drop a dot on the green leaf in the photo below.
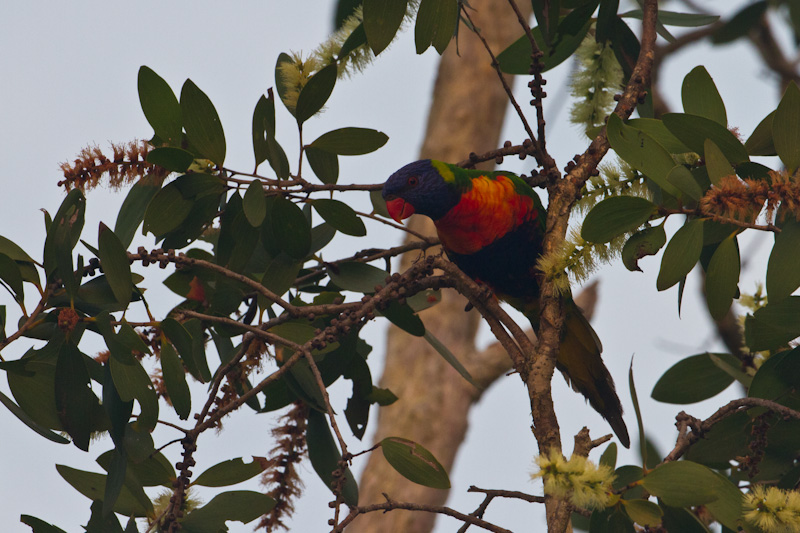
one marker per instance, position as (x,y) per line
(693,379)
(175,381)
(783,276)
(315,93)
(12,276)
(265,145)
(133,208)
(38,525)
(681,254)
(760,141)
(614,216)
(182,339)
(516,59)
(671,18)
(786,127)
(170,158)
(325,456)
(382,19)
(683,520)
(682,484)
(350,141)
(740,24)
(74,398)
(153,471)
(642,152)
(31,423)
(340,216)
(609,456)
(414,462)
(324,164)
(727,508)
(356,39)
(115,480)
(290,227)
(637,410)
(643,512)
(722,277)
(203,127)
(238,505)
(166,211)
(701,97)
(610,520)
(436,24)
(402,316)
(683,179)
(646,242)
(693,130)
(606,16)
(116,266)
(93,486)
(774,325)
(230,472)
(776,376)
(160,106)
(659,132)
(130,377)
(451,359)
(717,165)
(253,204)
(379,204)
(62,236)
(356,276)
(280,274)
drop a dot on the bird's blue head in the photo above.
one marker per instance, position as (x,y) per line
(420,187)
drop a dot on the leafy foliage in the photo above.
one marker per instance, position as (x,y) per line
(251,259)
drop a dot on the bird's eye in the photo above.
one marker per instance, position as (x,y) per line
(413,181)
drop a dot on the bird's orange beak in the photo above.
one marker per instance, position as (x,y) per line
(399,209)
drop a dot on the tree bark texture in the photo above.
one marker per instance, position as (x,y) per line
(466,115)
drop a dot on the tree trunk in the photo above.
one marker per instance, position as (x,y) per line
(466,116)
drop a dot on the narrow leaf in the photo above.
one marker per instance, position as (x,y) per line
(382,19)
(116,266)
(160,107)
(722,277)
(203,127)
(231,472)
(682,483)
(717,165)
(325,456)
(350,141)
(642,152)
(253,204)
(414,462)
(691,380)
(783,276)
(681,254)
(315,93)
(614,216)
(340,216)
(701,97)
(451,359)
(786,128)
(175,381)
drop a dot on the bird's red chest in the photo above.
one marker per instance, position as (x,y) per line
(487,212)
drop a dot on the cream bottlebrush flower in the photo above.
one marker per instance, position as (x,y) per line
(578,259)
(772,509)
(596,80)
(587,485)
(296,73)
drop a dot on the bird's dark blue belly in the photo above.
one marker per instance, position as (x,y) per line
(508,264)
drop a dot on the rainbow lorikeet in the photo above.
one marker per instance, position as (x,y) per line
(491,224)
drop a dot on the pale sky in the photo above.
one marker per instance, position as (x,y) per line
(69,80)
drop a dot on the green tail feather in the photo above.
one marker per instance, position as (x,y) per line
(579,359)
